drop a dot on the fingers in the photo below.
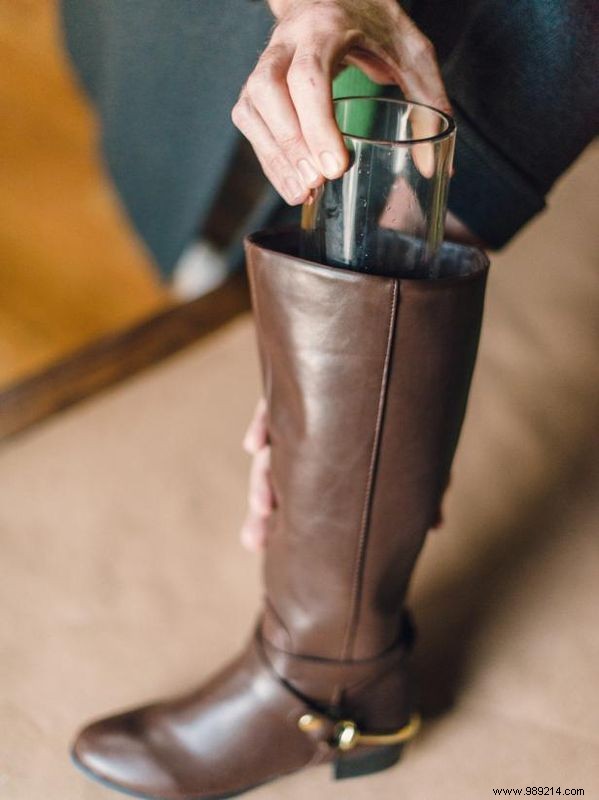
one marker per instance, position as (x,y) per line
(265,114)
(261,499)
(392,49)
(417,70)
(277,167)
(256,435)
(254,533)
(260,495)
(269,90)
(411,59)
(286,107)
(309,80)
(260,502)
(285,110)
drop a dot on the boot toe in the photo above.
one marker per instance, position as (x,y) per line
(114,751)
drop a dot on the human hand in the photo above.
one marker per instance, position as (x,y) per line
(261,499)
(286,109)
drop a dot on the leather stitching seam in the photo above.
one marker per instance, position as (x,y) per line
(356,590)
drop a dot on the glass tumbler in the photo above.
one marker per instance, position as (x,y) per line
(386,213)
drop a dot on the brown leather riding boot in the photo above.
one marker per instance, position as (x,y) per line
(366,380)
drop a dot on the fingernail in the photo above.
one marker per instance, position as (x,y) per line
(308,172)
(292,189)
(330,165)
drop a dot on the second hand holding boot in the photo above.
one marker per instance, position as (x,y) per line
(366,380)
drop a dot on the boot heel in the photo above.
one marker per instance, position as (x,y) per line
(375,760)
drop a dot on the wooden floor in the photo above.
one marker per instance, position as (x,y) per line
(71,268)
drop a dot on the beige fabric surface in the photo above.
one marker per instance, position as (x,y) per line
(122,578)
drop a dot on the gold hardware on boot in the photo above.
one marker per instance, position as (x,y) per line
(347,735)
(309,722)
(405,734)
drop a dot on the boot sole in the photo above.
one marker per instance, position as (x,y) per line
(343,768)
(367,763)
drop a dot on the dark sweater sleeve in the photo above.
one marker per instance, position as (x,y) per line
(523,79)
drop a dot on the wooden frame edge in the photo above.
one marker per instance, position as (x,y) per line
(117,356)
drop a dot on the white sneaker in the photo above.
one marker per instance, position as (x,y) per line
(201,268)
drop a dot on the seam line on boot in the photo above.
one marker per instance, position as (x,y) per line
(356,590)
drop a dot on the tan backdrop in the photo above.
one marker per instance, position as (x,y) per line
(122,577)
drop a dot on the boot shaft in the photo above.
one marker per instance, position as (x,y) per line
(366,380)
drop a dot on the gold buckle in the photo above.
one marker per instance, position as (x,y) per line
(347,735)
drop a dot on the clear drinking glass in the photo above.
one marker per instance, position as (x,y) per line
(386,213)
